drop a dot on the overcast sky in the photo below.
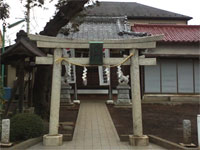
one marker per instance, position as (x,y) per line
(40,16)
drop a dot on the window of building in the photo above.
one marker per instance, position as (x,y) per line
(172,76)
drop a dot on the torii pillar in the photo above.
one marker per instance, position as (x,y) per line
(53,138)
(137,139)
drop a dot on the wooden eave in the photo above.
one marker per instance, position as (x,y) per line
(21,49)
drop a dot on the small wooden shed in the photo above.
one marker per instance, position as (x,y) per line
(19,59)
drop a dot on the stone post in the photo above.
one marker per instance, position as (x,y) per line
(110,91)
(138,139)
(5,133)
(198,129)
(53,138)
(186,131)
(75,91)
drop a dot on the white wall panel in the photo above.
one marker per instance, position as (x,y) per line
(168,76)
(184,73)
(197,76)
(185,76)
(152,79)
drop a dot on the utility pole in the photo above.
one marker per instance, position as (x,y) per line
(3,49)
(28,16)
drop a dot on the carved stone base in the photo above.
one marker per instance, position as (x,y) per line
(123,102)
(53,140)
(6,144)
(123,97)
(139,140)
(65,96)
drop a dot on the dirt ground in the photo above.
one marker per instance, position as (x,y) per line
(162,120)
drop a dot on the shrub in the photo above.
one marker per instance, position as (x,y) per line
(25,125)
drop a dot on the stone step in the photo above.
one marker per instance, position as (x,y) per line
(67,137)
(67,128)
(67,123)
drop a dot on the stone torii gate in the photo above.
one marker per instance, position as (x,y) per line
(135,45)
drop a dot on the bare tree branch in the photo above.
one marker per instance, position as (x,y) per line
(65,14)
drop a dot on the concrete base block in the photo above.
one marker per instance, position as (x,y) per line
(6,144)
(185,99)
(124,102)
(53,140)
(139,140)
(156,98)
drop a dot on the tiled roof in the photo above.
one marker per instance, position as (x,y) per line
(21,49)
(172,33)
(101,28)
(133,11)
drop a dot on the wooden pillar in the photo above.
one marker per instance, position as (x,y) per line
(30,87)
(21,87)
(138,139)
(11,76)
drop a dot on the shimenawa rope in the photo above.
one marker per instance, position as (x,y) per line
(59,60)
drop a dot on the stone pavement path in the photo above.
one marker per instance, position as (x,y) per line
(95,131)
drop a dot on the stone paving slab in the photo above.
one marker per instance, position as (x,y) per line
(95,131)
